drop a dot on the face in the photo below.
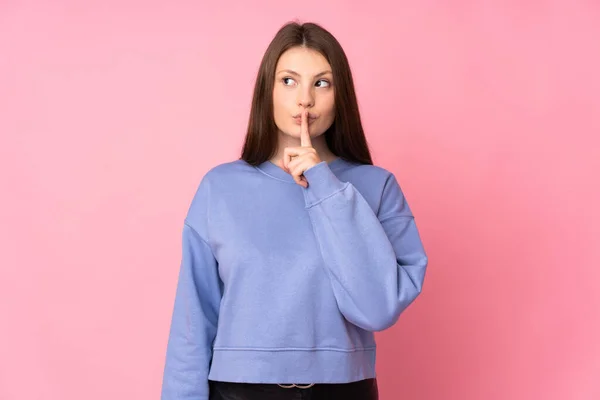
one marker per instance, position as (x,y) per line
(303,79)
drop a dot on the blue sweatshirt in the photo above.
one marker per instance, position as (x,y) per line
(284,284)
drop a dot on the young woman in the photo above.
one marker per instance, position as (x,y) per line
(295,254)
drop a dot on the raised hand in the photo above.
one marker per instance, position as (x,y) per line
(296,160)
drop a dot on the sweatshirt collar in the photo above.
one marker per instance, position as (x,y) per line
(276,172)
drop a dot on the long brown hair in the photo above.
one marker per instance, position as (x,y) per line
(345,138)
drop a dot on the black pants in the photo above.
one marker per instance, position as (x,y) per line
(361,390)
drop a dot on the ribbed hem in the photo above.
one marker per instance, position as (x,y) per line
(292,366)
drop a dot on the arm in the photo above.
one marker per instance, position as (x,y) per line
(194,321)
(376,262)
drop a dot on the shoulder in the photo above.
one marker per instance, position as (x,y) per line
(379,186)
(372,170)
(219,178)
(370,174)
(225,174)
(227,169)
(220,175)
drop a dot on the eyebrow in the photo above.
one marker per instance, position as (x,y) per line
(289,71)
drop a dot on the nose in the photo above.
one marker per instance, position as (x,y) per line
(305,97)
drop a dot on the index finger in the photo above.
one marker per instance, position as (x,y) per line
(304,134)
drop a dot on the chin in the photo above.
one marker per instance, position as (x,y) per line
(295,133)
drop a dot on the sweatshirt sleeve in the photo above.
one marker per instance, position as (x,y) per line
(375,261)
(193,323)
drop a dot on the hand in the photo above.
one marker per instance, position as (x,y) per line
(296,160)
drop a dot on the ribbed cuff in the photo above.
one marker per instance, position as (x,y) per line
(322,183)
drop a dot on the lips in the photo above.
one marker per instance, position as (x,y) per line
(310,116)
(298,120)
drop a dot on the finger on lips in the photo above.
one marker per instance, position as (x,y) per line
(292,155)
(304,134)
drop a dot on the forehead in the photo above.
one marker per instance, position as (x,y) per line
(303,60)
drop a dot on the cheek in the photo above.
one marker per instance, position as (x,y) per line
(276,100)
(330,109)
(328,101)
(280,101)
(327,117)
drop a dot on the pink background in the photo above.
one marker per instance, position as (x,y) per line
(487,112)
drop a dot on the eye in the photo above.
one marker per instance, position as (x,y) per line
(285,79)
(325,82)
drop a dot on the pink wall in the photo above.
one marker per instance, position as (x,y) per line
(489,115)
